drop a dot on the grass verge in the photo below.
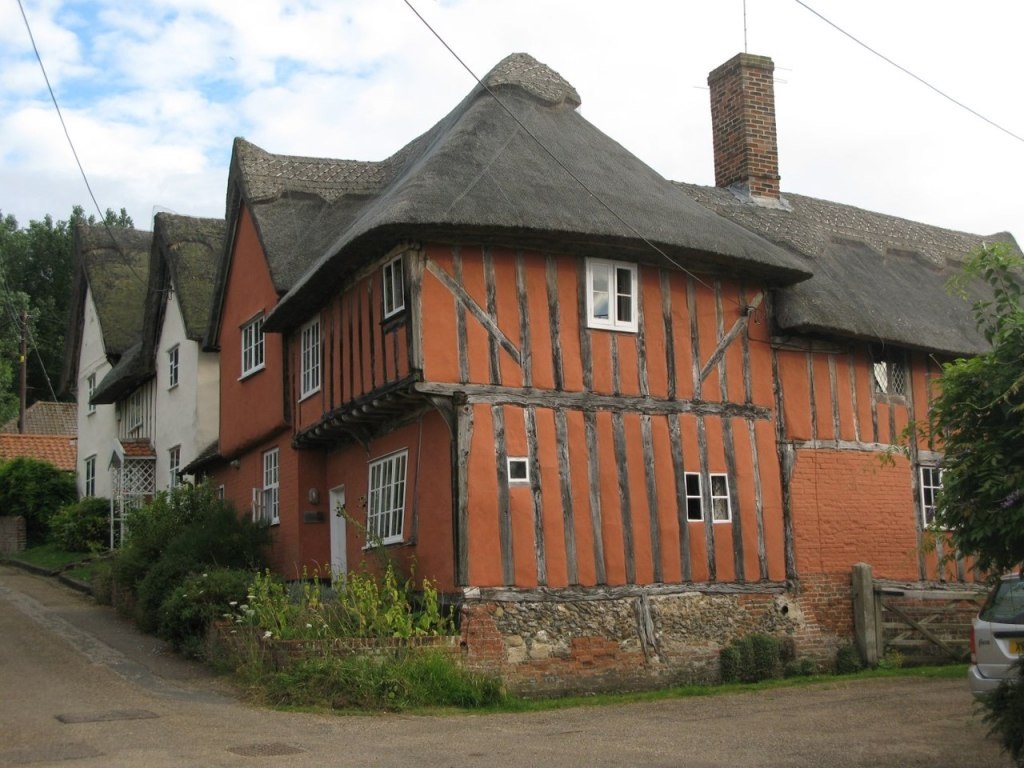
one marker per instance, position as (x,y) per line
(50,556)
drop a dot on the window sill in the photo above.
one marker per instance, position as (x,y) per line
(385,543)
(591,325)
(306,395)
(252,372)
(393,320)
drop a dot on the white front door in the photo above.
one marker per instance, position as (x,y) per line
(339,561)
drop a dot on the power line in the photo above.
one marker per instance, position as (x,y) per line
(552,155)
(67,135)
(906,71)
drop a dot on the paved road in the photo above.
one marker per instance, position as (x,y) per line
(79,687)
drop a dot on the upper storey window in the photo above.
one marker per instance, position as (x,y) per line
(394,287)
(611,295)
(252,345)
(310,358)
(890,370)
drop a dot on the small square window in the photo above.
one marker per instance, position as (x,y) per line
(611,295)
(518,470)
(889,367)
(394,287)
(721,506)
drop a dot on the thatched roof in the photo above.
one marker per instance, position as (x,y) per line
(479,174)
(184,259)
(114,264)
(875,277)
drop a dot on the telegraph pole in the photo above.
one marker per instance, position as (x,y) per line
(23,359)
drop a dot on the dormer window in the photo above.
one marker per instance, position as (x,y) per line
(611,295)
(394,287)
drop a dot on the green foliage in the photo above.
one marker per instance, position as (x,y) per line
(184,531)
(848,660)
(389,682)
(35,490)
(893,659)
(1004,714)
(188,611)
(83,526)
(38,267)
(751,658)
(979,413)
(359,605)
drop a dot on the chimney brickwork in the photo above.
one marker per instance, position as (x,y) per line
(743,125)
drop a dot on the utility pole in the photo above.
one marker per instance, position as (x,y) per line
(23,359)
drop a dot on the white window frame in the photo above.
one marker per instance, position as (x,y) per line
(521,462)
(173,361)
(385,498)
(930,478)
(889,368)
(310,358)
(393,283)
(253,352)
(270,495)
(90,384)
(612,318)
(135,413)
(173,465)
(718,496)
(90,476)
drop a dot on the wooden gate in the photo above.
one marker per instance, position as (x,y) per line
(925,624)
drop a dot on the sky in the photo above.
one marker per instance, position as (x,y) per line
(154,91)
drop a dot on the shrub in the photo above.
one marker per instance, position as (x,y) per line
(34,490)
(848,660)
(184,531)
(191,607)
(1004,712)
(83,526)
(751,658)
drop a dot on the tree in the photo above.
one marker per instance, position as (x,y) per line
(979,413)
(36,272)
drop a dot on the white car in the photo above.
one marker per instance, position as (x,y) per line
(997,636)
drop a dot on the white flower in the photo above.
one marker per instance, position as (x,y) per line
(233,603)
(267,634)
(309,626)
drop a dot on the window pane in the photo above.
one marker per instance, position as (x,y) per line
(692,484)
(624,295)
(600,291)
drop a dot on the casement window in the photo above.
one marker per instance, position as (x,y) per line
(518,470)
(266,500)
(90,476)
(721,506)
(135,413)
(252,346)
(931,484)
(310,362)
(90,384)
(611,295)
(394,287)
(172,367)
(890,370)
(173,465)
(385,515)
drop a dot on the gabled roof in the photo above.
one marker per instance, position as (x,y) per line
(875,277)
(43,418)
(113,263)
(59,450)
(480,173)
(184,259)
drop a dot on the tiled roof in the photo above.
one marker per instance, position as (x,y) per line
(138,449)
(58,450)
(44,418)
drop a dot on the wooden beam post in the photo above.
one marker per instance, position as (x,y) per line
(864,615)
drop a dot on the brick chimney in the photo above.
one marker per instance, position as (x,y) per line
(743,126)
